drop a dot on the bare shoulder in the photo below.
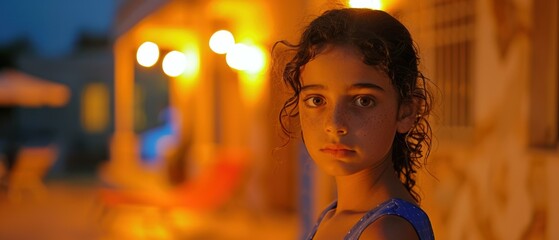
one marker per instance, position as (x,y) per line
(390,227)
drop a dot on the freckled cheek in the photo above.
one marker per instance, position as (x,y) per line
(375,126)
(308,122)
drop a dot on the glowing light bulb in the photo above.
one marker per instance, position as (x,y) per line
(174,63)
(245,58)
(192,64)
(221,41)
(147,54)
(373,4)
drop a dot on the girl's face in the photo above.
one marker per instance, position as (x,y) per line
(349,112)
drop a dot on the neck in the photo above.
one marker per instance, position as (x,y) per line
(365,190)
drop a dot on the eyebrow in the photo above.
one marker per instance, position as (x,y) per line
(353,87)
(366,86)
(312,86)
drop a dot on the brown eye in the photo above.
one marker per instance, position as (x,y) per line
(314,101)
(364,101)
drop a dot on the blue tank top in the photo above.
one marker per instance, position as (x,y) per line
(404,209)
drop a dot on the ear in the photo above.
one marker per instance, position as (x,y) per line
(407,116)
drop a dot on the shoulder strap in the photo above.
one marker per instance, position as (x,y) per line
(332,205)
(404,209)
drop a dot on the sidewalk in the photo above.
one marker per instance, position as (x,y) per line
(73,210)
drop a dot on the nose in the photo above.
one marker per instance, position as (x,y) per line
(336,122)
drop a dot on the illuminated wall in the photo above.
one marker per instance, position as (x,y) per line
(486,179)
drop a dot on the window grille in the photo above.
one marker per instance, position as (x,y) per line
(453,46)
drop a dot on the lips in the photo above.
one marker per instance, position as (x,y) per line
(337,150)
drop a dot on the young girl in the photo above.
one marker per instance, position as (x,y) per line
(362,105)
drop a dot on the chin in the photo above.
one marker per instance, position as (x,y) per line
(338,170)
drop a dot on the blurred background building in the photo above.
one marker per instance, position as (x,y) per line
(158,119)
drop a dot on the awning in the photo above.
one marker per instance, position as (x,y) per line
(21,89)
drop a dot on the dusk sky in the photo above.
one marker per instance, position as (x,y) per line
(52,27)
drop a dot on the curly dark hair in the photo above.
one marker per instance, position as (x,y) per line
(385,43)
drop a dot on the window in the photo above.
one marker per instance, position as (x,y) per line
(95,107)
(453,34)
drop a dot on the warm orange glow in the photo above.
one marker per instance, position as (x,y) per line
(192,64)
(158,231)
(246,58)
(95,108)
(183,219)
(373,4)
(187,81)
(253,81)
(252,87)
(147,54)
(249,19)
(174,63)
(221,41)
